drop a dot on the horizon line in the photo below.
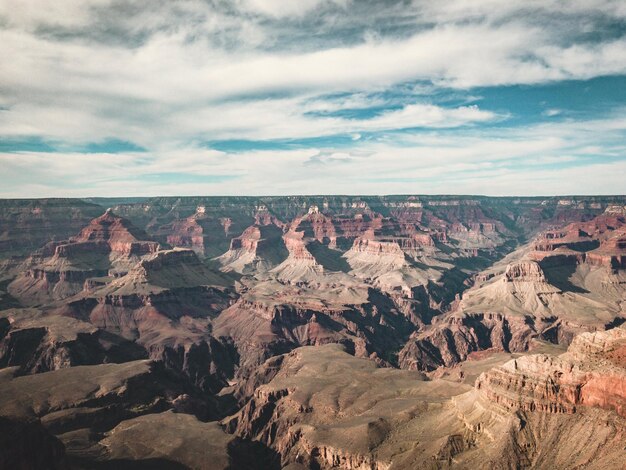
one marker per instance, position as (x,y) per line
(248,196)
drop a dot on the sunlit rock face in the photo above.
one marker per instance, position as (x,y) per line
(592,373)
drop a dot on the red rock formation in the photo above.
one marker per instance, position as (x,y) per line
(482,277)
(585,376)
(296,245)
(261,330)
(452,341)
(258,249)
(350,227)
(611,253)
(27,224)
(571,237)
(169,258)
(534,383)
(263,216)
(107,246)
(113,232)
(264,327)
(599,242)
(524,271)
(317,226)
(559,257)
(580,236)
(200,232)
(423,239)
(375,247)
(187,233)
(37,345)
(248,240)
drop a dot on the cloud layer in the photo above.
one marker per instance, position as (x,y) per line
(315,96)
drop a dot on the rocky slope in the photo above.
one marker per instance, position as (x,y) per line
(271,318)
(258,249)
(592,373)
(178,440)
(519,415)
(165,304)
(83,406)
(25,443)
(559,285)
(35,343)
(27,224)
(286,317)
(106,248)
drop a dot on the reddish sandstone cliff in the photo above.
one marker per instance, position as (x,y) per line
(592,373)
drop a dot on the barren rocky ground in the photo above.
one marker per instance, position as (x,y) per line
(313,332)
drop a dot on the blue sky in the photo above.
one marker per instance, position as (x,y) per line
(254,97)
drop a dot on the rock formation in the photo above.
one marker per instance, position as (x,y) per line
(258,249)
(552,294)
(591,373)
(36,343)
(314,413)
(107,247)
(166,322)
(27,224)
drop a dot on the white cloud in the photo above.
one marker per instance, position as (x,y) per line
(497,10)
(281,8)
(30,14)
(552,112)
(287,118)
(72,90)
(172,74)
(558,158)
(169,68)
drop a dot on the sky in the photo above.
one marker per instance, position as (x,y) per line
(278,97)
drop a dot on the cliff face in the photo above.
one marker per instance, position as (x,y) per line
(187,233)
(93,399)
(161,308)
(108,246)
(526,271)
(535,415)
(258,249)
(552,289)
(592,373)
(36,345)
(248,240)
(205,234)
(300,264)
(535,383)
(335,249)
(176,440)
(208,363)
(449,342)
(288,313)
(600,242)
(327,420)
(318,226)
(116,233)
(611,253)
(263,327)
(26,225)
(378,248)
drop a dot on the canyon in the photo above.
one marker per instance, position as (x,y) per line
(358,332)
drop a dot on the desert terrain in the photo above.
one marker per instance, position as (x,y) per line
(324,332)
